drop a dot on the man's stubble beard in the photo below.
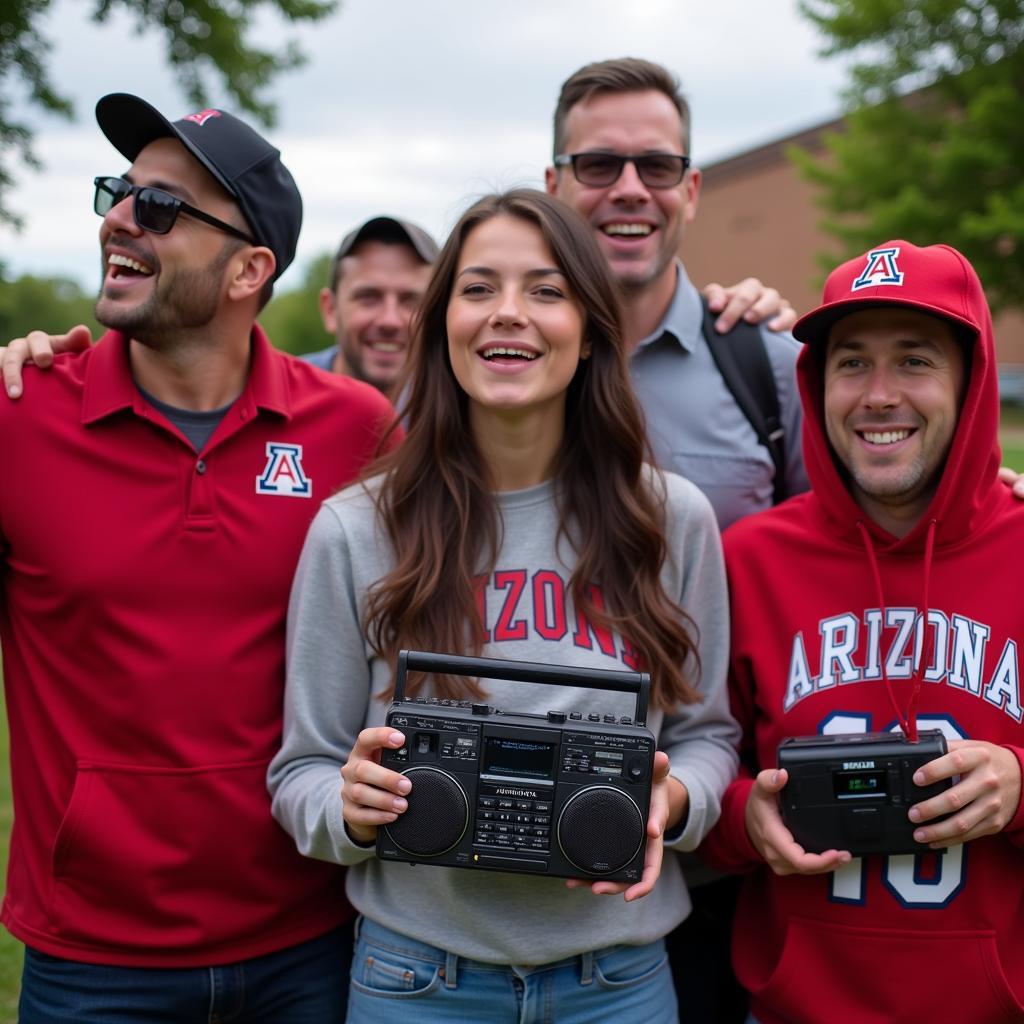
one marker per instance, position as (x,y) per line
(187,301)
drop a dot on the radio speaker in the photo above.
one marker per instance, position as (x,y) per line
(437,816)
(600,830)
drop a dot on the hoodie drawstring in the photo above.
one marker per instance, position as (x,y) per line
(908,721)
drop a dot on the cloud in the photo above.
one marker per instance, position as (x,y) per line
(413,108)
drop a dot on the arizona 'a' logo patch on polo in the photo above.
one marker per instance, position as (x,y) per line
(201,117)
(283,474)
(881,268)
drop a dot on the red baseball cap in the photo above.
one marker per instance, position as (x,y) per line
(934,279)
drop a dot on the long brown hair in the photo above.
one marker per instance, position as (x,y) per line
(436,504)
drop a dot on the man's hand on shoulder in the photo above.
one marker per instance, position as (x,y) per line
(39,348)
(1013,480)
(752,301)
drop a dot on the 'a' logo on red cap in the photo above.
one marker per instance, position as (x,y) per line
(881,269)
(202,117)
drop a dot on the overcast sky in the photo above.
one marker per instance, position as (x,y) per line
(413,107)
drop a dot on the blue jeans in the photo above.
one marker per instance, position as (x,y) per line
(397,978)
(304,984)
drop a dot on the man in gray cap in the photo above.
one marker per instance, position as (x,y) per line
(154,497)
(376,280)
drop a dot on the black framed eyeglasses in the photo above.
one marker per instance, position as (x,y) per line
(153,209)
(599,170)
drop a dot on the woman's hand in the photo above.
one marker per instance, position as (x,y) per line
(372,795)
(773,841)
(668,800)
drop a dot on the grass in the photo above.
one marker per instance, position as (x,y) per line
(10,949)
(1012,438)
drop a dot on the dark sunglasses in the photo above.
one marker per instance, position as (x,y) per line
(153,209)
(599,170)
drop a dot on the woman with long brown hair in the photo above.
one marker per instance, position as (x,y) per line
(518,519)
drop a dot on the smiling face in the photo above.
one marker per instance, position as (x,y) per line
(894,379)
(514,329)
(156,285)
(639,229)
(379,287)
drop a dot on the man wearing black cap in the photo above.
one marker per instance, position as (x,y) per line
(376,280)
(143,590)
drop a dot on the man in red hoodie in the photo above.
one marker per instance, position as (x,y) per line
(891,585)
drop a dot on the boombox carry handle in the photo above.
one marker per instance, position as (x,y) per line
(526,672)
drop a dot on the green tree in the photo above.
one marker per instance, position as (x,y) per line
(292,319)
(933,148)
(204,39)
(46,303)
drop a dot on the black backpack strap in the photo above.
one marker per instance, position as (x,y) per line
(742,360)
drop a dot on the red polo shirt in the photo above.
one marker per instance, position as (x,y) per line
(142,620)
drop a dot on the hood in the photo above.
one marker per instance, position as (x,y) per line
(937,280)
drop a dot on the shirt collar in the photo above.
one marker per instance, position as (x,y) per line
(110,388)
(684,316)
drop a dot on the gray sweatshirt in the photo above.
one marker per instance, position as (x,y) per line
(334,677)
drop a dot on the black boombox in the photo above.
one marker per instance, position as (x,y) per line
(562,794)
(852,791)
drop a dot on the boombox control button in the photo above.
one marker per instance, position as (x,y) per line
(557,717)
(593,717)
(542,833)
(625,720)
(543,806)
(524,805)
(488,801)
(481,709)
(610,719)
(503,829)
(522,830)
(541,819)
(486,815)
(506,805)
(637,769)
(576,716)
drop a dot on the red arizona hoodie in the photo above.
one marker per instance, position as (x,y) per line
(937,936)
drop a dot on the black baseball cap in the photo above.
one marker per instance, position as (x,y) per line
(390,229)
(240,159)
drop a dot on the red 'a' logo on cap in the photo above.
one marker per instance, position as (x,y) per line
(881,268)
(202,117)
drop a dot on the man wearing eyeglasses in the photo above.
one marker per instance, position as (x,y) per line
(154,495)
(622,161)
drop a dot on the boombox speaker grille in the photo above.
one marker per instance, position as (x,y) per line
(600,830)
(437,815)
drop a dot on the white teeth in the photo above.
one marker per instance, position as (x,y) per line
(385,346)
(627,229)
(117,260)
(516,352)
(886,437)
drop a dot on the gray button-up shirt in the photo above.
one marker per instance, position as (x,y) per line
(694,424)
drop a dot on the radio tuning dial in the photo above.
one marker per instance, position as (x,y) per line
(637,768)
